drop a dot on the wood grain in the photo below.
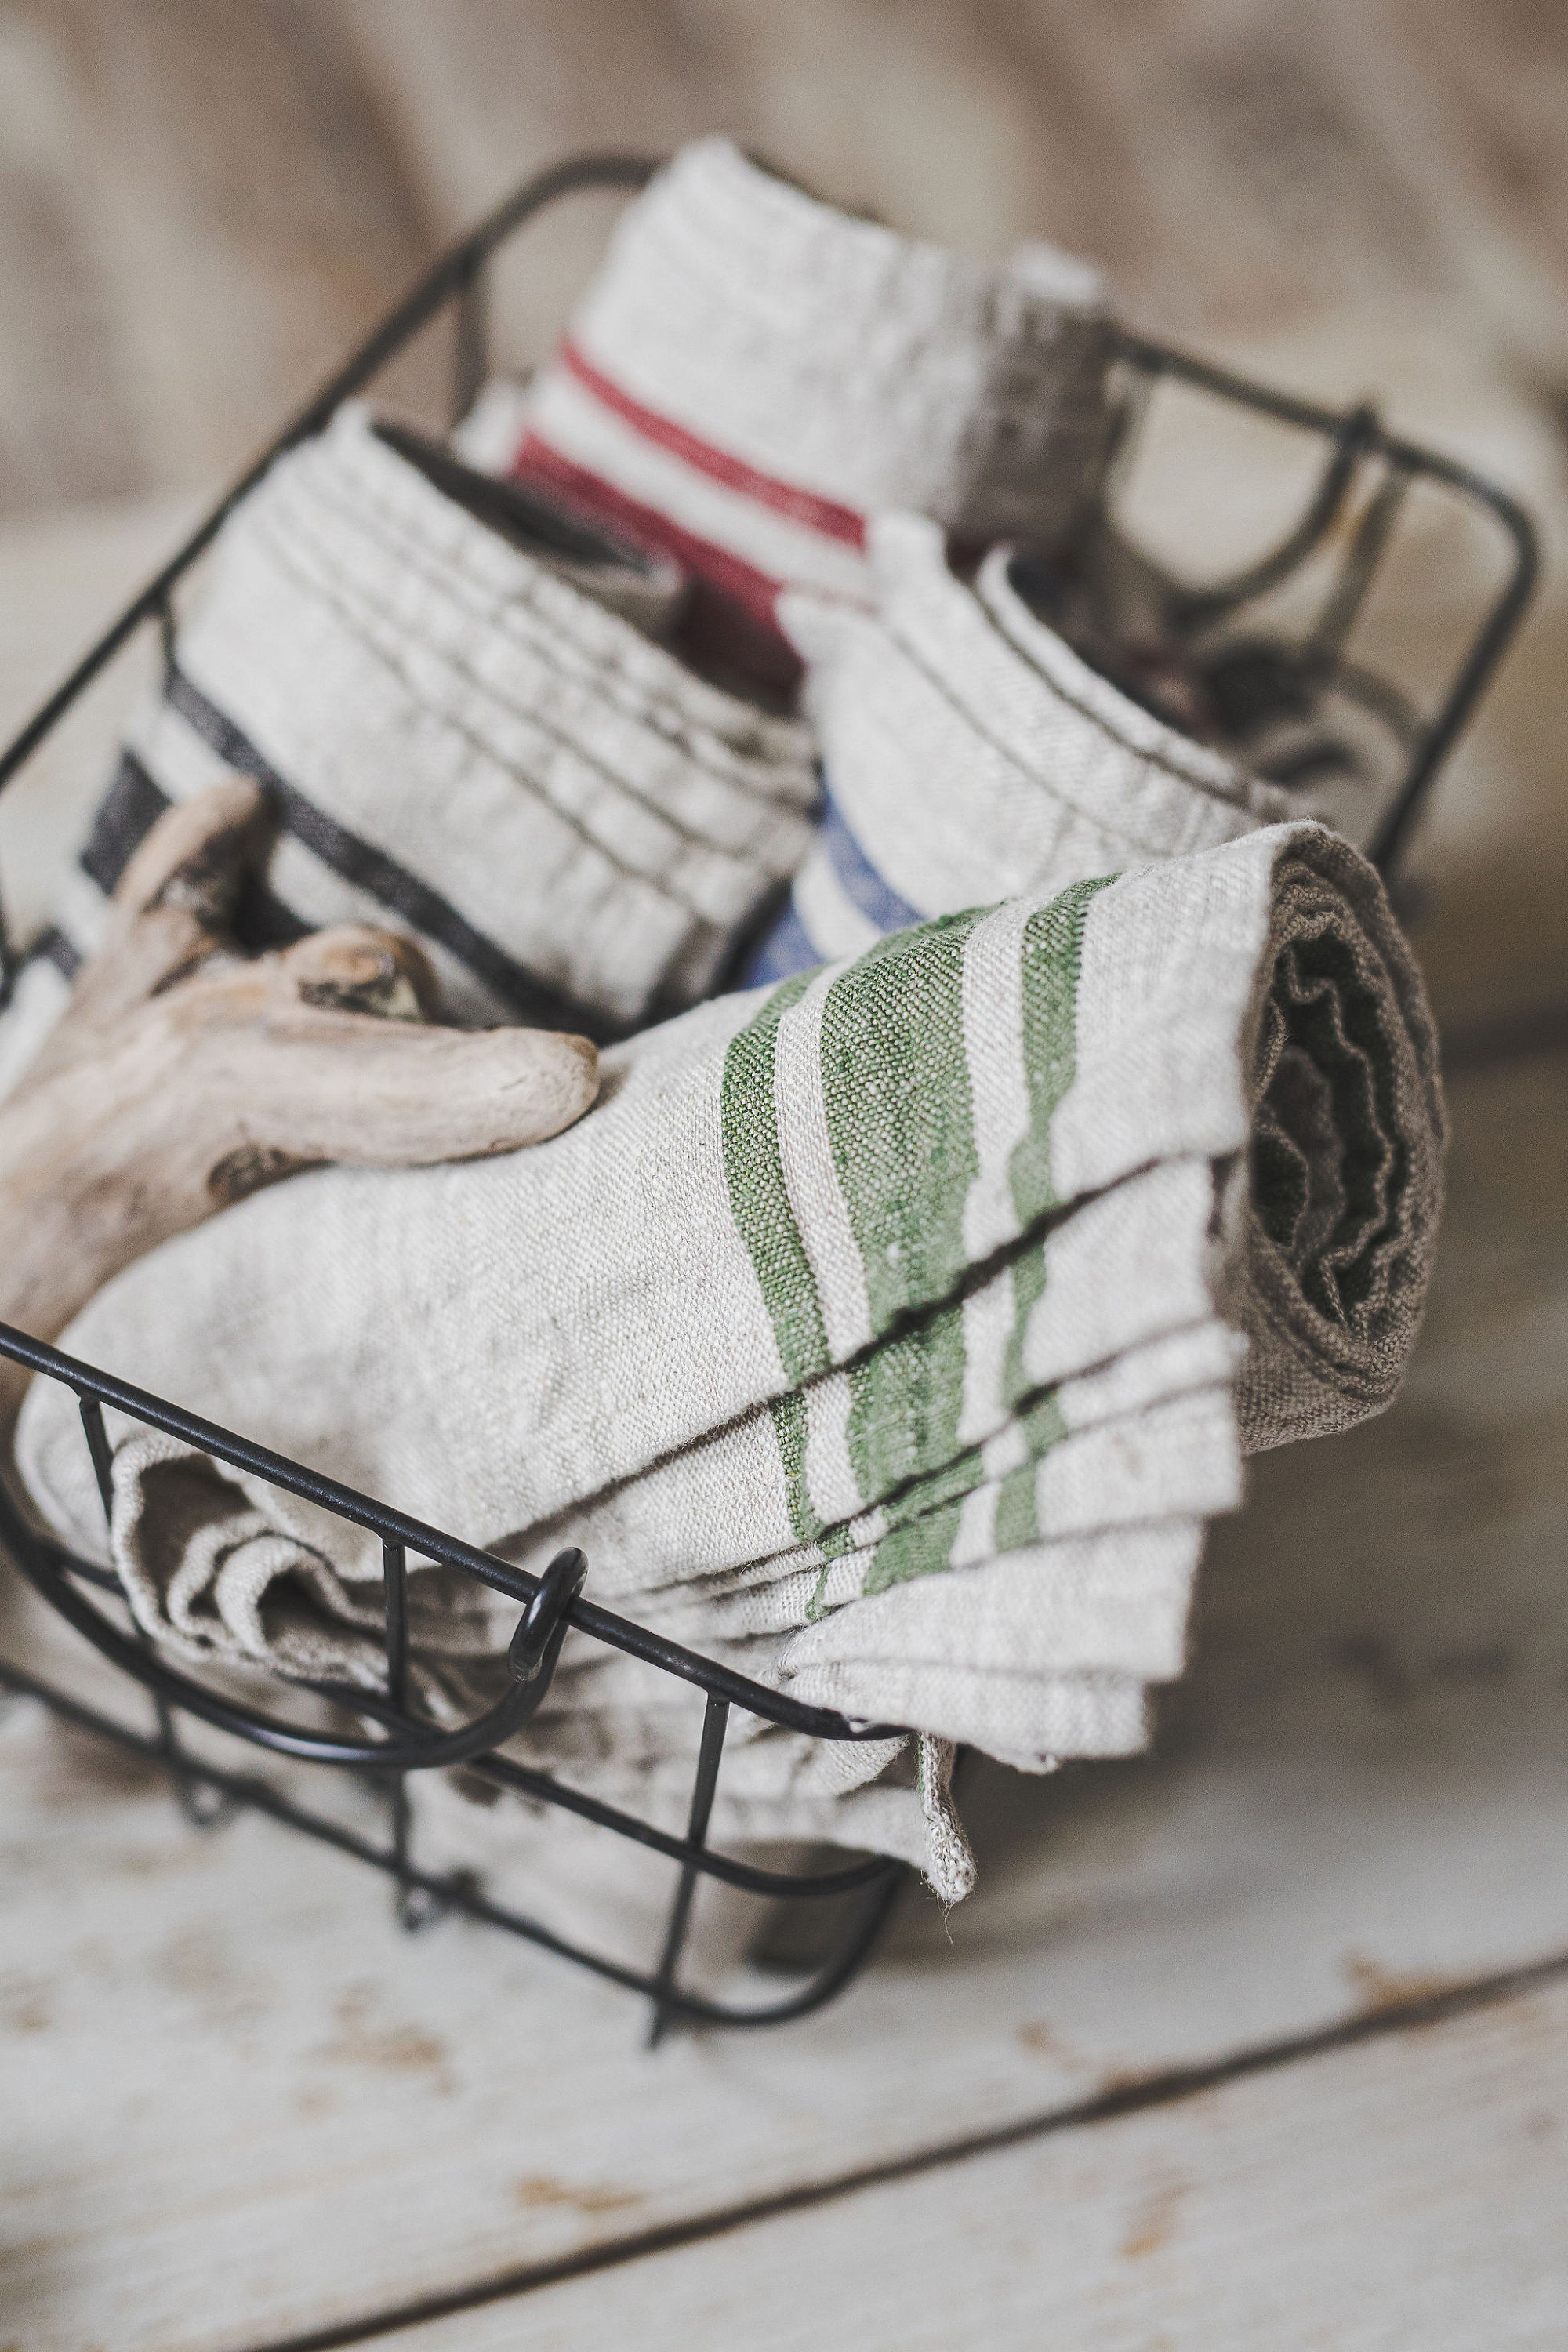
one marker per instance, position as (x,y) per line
(68,423)
(1411,2190)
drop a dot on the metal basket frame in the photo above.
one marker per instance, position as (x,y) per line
(1359,453)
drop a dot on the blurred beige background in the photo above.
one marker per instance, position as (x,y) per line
(202,202)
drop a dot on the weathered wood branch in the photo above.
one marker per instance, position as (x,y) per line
(183,1074)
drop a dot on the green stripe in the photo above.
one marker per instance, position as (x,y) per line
(900,1123)
(1052,961)
(907,1397)
(758,1201)
(1029,1289)
(921,1549)
(1052,956)
(787,1414)
(949,1482)
(934,1497)
(929,1503)
(895,1083)
(1017,1521)
(896,1095)
(1041,1419)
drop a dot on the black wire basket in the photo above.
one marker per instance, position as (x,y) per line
(1345,527)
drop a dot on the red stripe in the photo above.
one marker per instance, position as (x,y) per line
(825,515)
(729,618)
(754,589)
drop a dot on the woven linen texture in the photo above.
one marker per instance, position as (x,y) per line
(464,740)
(893,1333)
(752,374)
(970,755)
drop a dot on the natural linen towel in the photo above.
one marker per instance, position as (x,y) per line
(880,1333)
(466,737)
(971,755)
(751,373)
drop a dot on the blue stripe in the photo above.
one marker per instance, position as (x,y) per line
(789,948)
(877,900)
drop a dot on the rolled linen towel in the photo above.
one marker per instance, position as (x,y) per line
(468,736)
(971,755)
(888,1322)
(752,374)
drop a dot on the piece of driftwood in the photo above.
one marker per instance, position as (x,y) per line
(183,1074)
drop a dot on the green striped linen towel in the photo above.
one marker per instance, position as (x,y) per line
(893,1334)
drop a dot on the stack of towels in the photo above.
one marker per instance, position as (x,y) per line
(899,1318)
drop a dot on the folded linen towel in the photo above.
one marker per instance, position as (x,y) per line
(468,736)
(751,373)
(891,1318)
(1330,734)
(971,755)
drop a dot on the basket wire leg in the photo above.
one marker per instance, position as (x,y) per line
(10,961)
(715,1723)
(412,1904)
(202,1804)
(1349,593)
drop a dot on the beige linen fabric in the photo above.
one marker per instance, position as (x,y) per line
(751,373)
(971,755)
(465,733)
(893,1334)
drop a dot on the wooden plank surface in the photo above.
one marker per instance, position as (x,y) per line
(222,2061)
(1410,2190)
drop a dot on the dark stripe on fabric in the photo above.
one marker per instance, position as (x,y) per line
(728,617)
(532,999)
(828,516)
(877,900)
(126,815)
(53,946)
